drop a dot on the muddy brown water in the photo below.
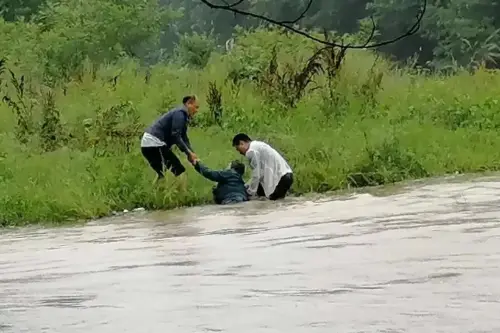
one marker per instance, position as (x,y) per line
(426,259)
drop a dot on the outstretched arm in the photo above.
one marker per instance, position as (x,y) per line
(253,184)
(178,125)
(187,142)
(215,176)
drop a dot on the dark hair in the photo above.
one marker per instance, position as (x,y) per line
(186,99)
(240,137)
(238,167)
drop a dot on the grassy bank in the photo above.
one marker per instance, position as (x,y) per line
(81,157)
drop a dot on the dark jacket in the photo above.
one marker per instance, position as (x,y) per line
(230,184)
(171,128)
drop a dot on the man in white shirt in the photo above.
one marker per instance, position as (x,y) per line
(272,177)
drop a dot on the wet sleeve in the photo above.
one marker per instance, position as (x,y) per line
(178,130)
(215,176)
(253,184)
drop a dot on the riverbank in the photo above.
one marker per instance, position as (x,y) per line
(84,162)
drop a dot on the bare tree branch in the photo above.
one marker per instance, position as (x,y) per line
(288,24)
(234,4)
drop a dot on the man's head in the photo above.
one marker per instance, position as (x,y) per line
(191,104)
(238,167)
(241,142)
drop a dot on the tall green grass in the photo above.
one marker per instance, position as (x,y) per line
(82,157)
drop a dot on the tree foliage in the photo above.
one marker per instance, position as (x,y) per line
(63,34)
(453,33)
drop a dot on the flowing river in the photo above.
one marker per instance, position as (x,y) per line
(424,259)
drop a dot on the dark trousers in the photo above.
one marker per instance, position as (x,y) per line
(158,157)
(281,189)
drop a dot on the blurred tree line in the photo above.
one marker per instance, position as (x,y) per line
(454,33)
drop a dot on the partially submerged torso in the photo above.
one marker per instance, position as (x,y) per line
(230,184)
(273,166)
(232,187)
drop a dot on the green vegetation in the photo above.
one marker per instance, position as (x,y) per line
(78,96)
(453,33)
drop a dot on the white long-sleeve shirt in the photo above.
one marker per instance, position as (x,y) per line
(267,165)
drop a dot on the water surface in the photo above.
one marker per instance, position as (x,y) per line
(423,260)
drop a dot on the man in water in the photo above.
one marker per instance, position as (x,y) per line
(168,130)
(272,177)
(230,184)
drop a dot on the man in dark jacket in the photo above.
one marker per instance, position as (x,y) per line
(168,130)
(230,185)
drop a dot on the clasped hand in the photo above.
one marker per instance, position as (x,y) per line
(192,158)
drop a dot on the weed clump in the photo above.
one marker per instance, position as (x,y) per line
(51,130)
(22,106)
(116,130)
(386,163)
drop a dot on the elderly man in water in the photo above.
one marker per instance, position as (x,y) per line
(230,186)
(272,177)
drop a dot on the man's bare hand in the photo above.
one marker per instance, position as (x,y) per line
(192,157)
